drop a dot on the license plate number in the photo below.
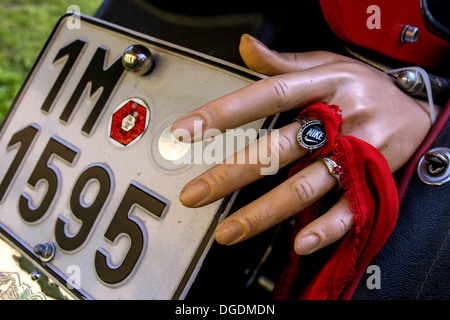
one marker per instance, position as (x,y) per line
(82,167)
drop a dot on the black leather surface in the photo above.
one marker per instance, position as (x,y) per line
(415,261)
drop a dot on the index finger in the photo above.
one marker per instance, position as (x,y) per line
(260,99)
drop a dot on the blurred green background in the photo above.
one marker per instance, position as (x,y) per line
(24,28)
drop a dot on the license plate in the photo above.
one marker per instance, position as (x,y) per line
(90,175)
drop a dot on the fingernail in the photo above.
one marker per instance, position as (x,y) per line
(229,233)
(247,37)
(189,129)
(194,194)
(307,244)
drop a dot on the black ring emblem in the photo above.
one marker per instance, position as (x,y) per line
(312,135)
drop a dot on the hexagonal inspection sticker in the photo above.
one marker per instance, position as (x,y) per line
(128,122)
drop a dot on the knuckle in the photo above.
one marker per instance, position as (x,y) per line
(303,191)
(329,57)
(354,71)
(252,223)
(257,221)
(216,178)
(286,146)
(221,175)
(343,227)
(273,148)
(280,89)
(285,143)
(349,67)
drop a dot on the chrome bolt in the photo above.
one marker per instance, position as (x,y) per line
(137,59)
(409,34)
(45,251)
(35,275)
(410,81)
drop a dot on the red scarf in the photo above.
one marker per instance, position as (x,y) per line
(369,186)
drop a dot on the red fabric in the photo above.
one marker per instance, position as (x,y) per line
(371,190)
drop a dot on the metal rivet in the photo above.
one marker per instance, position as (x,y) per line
(35,275)
(409,34)
(45,251)
(137,59)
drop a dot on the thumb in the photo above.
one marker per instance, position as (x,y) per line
(260,58)
(269,62)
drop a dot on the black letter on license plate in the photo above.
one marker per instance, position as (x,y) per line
(98,77)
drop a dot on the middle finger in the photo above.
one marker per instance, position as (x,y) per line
(273,151)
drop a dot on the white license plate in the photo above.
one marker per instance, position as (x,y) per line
(109,205)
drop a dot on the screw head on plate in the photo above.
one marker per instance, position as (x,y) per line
(45,251)
(35,275)
(137,59)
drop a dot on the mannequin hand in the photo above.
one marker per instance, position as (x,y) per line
(373,108)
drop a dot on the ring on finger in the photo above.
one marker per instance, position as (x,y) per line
(311,134)
(334,169)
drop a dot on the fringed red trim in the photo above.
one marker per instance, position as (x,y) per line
(370,188)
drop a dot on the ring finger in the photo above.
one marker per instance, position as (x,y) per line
(293,195)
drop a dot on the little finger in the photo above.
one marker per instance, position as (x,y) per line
(326,229)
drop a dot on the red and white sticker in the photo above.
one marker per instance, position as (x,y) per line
(128,122)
